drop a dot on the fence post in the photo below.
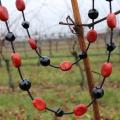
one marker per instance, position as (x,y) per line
(50,48)
(87,64)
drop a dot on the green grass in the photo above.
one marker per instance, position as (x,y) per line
(59,89)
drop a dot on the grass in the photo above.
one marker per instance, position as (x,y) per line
(59,89)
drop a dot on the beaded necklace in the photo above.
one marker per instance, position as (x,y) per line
(106,68)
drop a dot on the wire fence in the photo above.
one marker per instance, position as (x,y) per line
(57,47)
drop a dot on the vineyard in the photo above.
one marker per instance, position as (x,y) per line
(46,83)
(67,71)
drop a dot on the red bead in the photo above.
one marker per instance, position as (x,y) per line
(16,60)
(111,20)
(65,66)
(106,69)
(20,5)
(80,110)
(39,104)
(3,13)
(32,43)
(92,36)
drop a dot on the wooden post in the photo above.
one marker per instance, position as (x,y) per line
(86,61)
(50,48)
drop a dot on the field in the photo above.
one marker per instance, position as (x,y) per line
(59,89)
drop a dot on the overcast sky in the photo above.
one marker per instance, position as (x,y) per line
(44,15)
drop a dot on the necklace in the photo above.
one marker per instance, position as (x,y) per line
(106,68)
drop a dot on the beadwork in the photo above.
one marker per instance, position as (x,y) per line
(106,68)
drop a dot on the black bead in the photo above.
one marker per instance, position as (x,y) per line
(45,61)
(59,112)
(97,92)
(10,37)
(25,85)
(109,0)
(111,47)
(83,55)
(25,24)
(93,14)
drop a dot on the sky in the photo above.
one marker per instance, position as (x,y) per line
(44,15)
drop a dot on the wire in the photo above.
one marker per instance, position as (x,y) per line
(76,30)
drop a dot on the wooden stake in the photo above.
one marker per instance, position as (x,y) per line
(86,61)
